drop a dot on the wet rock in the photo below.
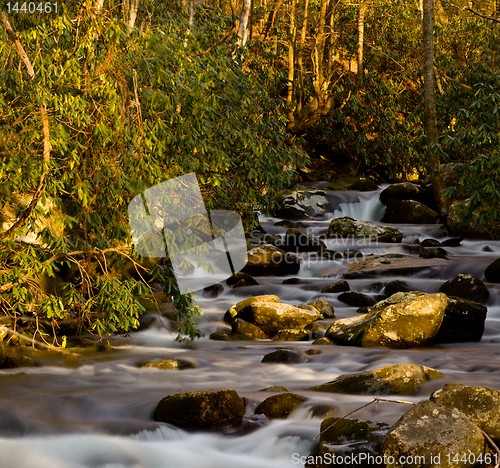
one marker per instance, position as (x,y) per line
(364,185)
(447,178)
(433,252)
(279,406)
(492,272)
(291,335)
(309,308)
(395,286)
(467,287)
(353,228)
(171,363)
(232,312)
(401,191)
(346,438)
(480,405)
(356,299)
(405,321)
(290,224)
(272,317)
(266,259)
(463,321)
(459,225)
(13,362)
(338,286)
(410,212)
(298,241)
(234,279)
(305,203)
(323,341)
(240,426)
(199,409)
(452,242)
(220,336)
(430,243)
(394,379)
(275,388)
(324,307)
(285,356)
(213,291)
(248,329)
(294,281)
(428,430)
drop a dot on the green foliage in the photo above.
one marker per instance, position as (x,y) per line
(126,111)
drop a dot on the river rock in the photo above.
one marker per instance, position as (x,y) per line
(274,388)
(240,426)
(322,341)
(463,321)
(266,259)
(241,276)
(353,228)
(13,362)
(429,430)
(364,185)
(459,225)
(356,299)
(305,203)
(248,329)
(410,212)
(271,317)
(492,272)
(199,409)
(394,379)
(343,438)
(480,405)
(279,406)
(232,312)
(395,286)
(298,241)
(401,191)
(467,287)
(285,356)
(409,320)
(324,307)
(171,363)
(433,252)
(338,286)
(291,335)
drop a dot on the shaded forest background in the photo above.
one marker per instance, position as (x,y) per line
(251,95)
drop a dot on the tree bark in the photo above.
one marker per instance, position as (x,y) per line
(242,32)
(130,8)
(361,40)
(301,56)
(291,59)
(429,91)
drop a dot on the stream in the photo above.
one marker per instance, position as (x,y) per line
(95,411)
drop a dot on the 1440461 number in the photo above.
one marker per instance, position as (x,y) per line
(32,7)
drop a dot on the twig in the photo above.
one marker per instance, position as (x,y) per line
(375,400)
(39,343)
(488,438)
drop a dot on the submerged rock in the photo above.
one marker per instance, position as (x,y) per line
(394,379)
(279,406)
(429,430)
(342,438)
(240,426)
(171,363)
(480,405)
(199,409)
(266,259)
(354,228)
(286,356)
(274,388)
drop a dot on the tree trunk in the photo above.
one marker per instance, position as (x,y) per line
(301,56)
(242,32)
(429,91)
(291,60)
(130,8)
(361,40)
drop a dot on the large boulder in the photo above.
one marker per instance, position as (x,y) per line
(466,286)
(342,441)
(434,435)
(404,320)
(234,310)
(338,286)
(492,272)
(267,259)
(353,228)
(271,317)
(323,307)
(411,212)
(401,191)
(480,405)
(356,299)
(305,203)
(279,406)
(459,225)
(299,241)
(242,327)
(199,409)
(394,379)
(292,335)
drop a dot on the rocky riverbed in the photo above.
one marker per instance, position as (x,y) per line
(345,314)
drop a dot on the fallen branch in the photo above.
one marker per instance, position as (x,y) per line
(477,13)
(224,39)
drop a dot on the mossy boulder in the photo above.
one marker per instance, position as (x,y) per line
(234,279)
(274,388)
(324,307)
(267,259)
(232,312)
(410,212)
(354,228)
(171,363)
(199,409)
(284,356)
(394,379)
(400,191)
(428,430)
(459,225)
(248,329)
(292,335)
(466,286)
(13,362)
(344,438)
(305,203)
(480,405)
(279,406)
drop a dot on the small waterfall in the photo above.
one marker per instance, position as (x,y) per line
(368,208)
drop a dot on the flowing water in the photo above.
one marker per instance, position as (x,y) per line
(95,411)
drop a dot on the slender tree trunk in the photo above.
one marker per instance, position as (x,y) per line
(242,32)
(301,56)
(130,8)
(429,91)
(361,41)
(291,57)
